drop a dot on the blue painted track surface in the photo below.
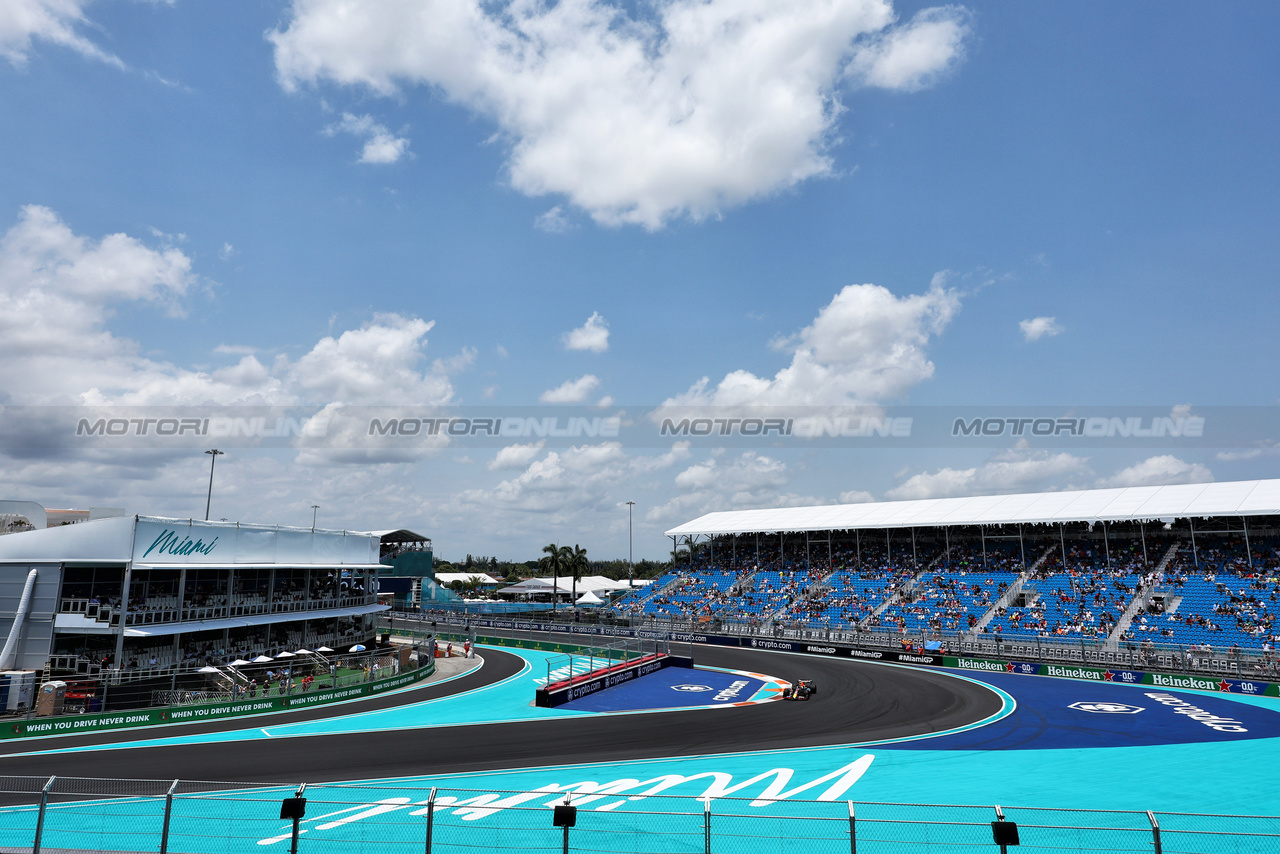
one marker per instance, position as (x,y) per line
(671,688)
(1071,713)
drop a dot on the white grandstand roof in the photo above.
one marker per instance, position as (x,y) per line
(1235,498)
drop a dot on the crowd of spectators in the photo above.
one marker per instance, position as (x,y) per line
(1216,593)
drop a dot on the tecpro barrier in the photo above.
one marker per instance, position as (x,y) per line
(576,687)
(79,724)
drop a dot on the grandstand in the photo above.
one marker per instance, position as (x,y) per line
(1187,566)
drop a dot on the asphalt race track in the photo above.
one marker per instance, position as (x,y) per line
(856,702)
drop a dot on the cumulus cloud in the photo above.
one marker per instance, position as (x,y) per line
(914,55)
(1159,471)
(380,144)
(747,481)
(1040,327)
(60,290)
(1008,471)
(688,108)
(865,345)
(58,22)
(592,335)
(553,221)
(567,482)
(516,456)
(571,391)
(856,496)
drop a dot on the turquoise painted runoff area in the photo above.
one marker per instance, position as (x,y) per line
(1235,777)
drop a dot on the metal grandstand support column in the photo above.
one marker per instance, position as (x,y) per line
(1062,538)
(124,614)
(1195,555)
(1106,542)
(1142,527)
(913,548)
(1248,552)
(982,532)
(1022,546)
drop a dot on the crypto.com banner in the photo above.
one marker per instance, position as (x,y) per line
(407,428)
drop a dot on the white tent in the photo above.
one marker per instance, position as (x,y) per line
(589,598)
(444,579)
(596,584)
(1134,503)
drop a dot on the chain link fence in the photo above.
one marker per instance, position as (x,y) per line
(68,815)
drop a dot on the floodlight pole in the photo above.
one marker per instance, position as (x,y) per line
(630,578)
(213,453)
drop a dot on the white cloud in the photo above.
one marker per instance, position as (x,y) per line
(914,55)
(592,335)
(235,349)
(865,345)
(1159,471)
(377,363)
(553,221)
(571,391)
(516,456)
(1040,327)
(695,106)
(856,496)
(1008,471)
(747,481)
(226,251)
(59,291)
(380,144)
(53,21)
(570,481)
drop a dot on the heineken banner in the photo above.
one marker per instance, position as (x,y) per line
(1127,677)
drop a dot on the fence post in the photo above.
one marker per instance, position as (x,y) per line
(431,816)
(44,802)
(1155,831)
(168,811)
(853,831)
(293,841)
(706,826)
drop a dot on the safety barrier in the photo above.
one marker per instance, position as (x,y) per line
(877,647)
(759,816)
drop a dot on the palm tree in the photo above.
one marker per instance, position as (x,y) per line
(554,563)
(576,559)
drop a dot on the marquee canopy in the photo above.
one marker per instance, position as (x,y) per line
(1134,503)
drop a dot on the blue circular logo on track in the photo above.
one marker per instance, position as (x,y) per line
(693,689)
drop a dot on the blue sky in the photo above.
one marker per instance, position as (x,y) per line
(826,201)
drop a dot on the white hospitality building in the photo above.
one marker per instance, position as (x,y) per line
(149,594)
